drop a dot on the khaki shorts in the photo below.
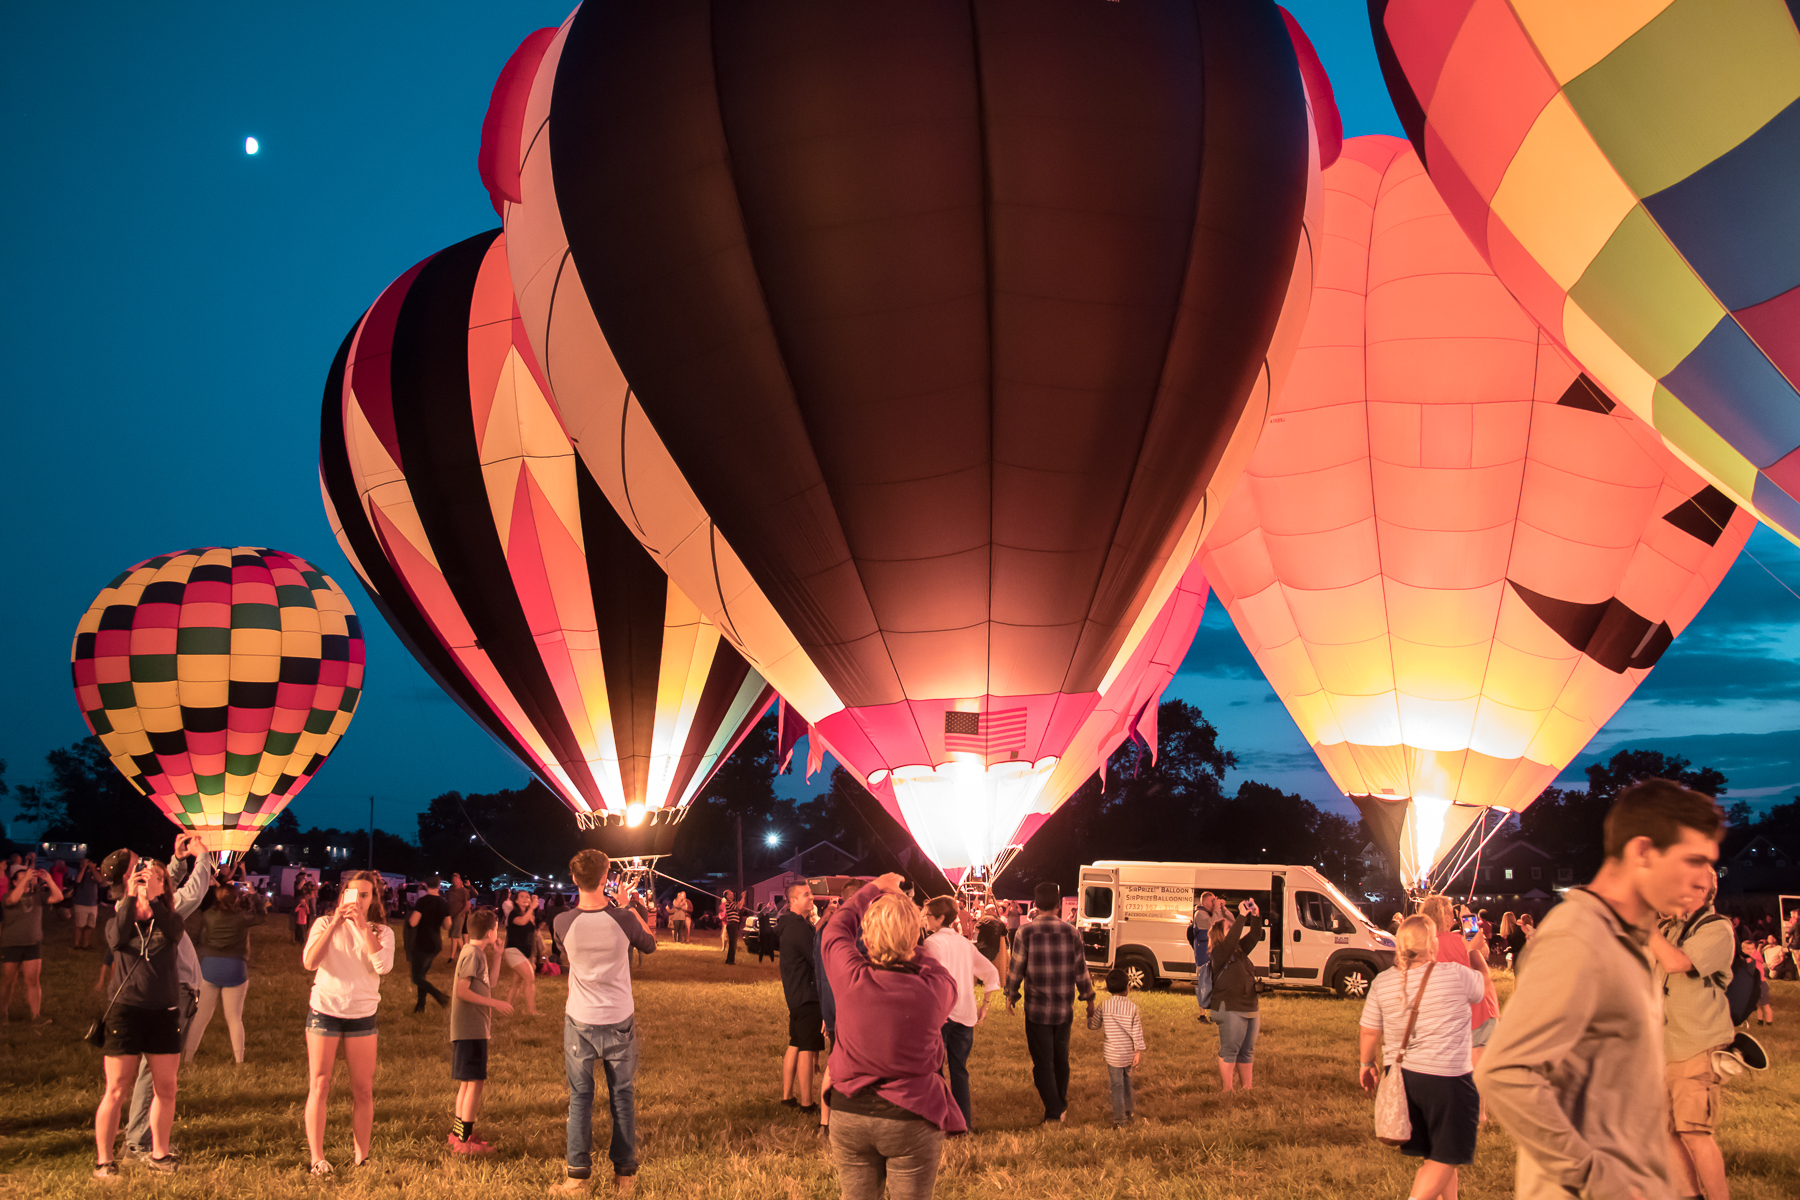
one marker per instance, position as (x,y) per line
(1693,1094)
(86,915)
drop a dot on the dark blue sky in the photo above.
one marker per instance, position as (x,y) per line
(173,306)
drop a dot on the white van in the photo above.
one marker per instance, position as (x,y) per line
(1135,915)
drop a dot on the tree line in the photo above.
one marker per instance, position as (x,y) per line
(1170,806)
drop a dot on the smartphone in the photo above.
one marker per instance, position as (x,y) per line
(1471,926)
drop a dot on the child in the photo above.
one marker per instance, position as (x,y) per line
(1124,1043)
(471,1024)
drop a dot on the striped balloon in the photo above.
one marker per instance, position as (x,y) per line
(488,546)
(219,680)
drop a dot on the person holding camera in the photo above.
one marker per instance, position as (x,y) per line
(29,890)
(144,1018)
(224,968)
(86,906)
(1235,1008)
(348,952)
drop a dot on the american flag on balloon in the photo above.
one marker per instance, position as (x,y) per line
(992,734)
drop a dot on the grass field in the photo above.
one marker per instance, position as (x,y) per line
(709,1125)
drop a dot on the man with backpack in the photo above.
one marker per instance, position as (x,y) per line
(1207,909)
(1575,1070)
(1695,954)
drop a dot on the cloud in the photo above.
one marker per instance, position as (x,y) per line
(1707,678)
(1756,764)
(1219,654)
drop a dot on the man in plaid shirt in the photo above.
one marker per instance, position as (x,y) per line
(1048,962)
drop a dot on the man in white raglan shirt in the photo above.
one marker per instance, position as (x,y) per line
(189,892)
(597,938)
(966,965)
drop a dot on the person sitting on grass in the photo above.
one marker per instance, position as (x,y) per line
(597,938)
(890,1109)
(1124,1046)
(472,1009)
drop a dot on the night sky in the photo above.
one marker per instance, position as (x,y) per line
(174,304)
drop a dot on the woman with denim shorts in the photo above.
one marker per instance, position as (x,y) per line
(1235,1009)
(348,952)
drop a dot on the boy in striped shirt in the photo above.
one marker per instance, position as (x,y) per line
(1124,1048)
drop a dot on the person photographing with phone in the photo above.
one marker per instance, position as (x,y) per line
(1235,1008)
(144,1017)
(348,952)
(29,890)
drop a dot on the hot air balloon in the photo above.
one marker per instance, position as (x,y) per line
(945,328)
(219,680)
(1632,173)
(1452,555)
(458,498)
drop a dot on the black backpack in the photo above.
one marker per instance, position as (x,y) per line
(1741,984)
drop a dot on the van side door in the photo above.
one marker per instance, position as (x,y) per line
(1097,917)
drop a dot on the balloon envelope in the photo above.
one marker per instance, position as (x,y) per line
(462,504)
(219,680)
(945,328)
(1632,172)
(1452,556)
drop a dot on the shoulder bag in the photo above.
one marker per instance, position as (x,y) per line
(1393,1127)
(96,1030)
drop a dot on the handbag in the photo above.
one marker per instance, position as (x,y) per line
(1393,1125)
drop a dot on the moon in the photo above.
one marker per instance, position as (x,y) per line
(251,145)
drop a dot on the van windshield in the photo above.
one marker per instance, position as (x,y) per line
(1344,902)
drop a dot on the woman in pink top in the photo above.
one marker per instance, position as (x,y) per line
(890,1108)
(1454,947)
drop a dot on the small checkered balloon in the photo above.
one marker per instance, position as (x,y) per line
(219,680)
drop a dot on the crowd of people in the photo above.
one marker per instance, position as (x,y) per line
(1606,1066)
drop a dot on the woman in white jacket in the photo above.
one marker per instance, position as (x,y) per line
(348,952)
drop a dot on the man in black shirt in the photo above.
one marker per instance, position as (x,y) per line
(806,1022)
(430,918)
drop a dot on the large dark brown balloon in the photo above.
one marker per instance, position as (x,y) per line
(941,320)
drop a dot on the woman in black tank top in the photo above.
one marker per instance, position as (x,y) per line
(523,948)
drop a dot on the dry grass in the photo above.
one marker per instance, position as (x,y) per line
(709,1125)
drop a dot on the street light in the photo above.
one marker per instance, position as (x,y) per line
(773,839)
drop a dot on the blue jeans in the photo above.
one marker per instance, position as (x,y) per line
(1237,1035)
(615,1046)
(958,1041)
(1120,1078)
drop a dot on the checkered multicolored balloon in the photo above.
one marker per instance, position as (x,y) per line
(219,679)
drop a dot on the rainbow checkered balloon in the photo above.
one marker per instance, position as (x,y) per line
(219,680)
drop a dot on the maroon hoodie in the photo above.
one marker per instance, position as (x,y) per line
(890,1021)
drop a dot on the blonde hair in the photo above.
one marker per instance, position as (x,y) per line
(890,929)
(1442,913)
(1216,932)
(1417,940)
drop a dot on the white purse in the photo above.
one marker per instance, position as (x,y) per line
(1393,1127)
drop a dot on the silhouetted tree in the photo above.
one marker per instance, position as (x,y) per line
(1568,822)
(87,800)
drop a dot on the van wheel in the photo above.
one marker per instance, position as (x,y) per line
(1352,980)
(1140,971)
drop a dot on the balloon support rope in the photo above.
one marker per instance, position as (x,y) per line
(471,820)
